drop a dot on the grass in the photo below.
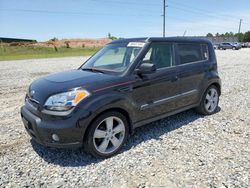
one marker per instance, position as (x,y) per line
(8,52)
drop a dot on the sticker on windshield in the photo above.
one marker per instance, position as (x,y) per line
(136,44)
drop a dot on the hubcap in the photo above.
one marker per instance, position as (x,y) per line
(109,135)
(211,100)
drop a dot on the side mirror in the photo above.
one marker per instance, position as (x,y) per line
(146,68)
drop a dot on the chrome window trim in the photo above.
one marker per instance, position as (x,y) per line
(144,106)
(179,65)
(193,62)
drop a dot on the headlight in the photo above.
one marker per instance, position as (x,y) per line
(67,100)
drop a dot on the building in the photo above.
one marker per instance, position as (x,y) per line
(10,40)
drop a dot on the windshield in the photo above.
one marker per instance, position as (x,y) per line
(114,58)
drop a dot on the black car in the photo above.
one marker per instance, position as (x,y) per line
(228,45)
(126,84)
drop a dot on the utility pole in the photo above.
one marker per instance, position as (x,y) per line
(239,29)
(240,26)
(185,32)
(164,18)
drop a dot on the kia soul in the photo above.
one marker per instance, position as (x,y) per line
(128,83)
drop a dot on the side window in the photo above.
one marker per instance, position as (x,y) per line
(205,53)
(190,52)
(147,56)
(134,53)
(160,54)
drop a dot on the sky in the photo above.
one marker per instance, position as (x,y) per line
(46,19)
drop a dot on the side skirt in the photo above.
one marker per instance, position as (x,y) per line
(147,121)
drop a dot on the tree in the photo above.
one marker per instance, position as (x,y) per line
(54,39)
(246,37)
(53,43)
(240,36)
(109,35)
(67,44)
(243,37)
(112,37)
(226,34)
(210,35)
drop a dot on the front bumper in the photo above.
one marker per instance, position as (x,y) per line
(70,130)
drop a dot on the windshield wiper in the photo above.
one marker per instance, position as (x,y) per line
(93,70)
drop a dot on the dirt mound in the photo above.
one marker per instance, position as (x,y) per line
(75,43)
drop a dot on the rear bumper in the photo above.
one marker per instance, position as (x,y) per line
(68,129)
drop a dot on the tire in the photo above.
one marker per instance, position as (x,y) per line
(234,48)
(209,102)
(107,134)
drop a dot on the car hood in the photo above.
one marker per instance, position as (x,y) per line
(51,84)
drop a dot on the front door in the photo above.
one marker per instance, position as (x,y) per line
(155,93)
(227,45)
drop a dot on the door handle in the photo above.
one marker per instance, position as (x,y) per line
(174,79)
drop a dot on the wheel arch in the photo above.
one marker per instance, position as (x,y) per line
(216,83)
(116,109)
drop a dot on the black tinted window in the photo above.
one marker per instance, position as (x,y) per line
(160,54)
(204,49)
(190,53)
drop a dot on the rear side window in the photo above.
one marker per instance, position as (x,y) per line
(204,50)
(192,52)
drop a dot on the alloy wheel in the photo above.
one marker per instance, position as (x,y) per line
(211,100)
(109,135)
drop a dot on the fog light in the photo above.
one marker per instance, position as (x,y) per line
(55,137)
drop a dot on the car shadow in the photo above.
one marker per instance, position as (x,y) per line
(76,158)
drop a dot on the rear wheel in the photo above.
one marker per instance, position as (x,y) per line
(107,134)
(209,102)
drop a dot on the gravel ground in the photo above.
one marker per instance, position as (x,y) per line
(184,150)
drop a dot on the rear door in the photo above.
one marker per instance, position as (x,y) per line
(155,93)
(192,58)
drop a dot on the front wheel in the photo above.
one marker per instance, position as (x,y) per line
(209,102)
(107,134)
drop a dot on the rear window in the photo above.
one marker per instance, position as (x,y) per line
(192,52)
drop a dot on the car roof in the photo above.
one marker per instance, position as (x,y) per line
(163,39)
